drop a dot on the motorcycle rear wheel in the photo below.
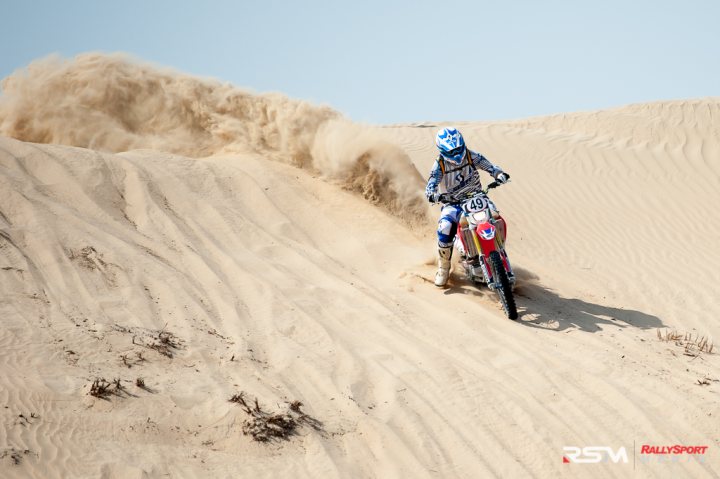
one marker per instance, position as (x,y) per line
(502,285)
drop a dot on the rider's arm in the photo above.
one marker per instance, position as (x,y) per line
(484,164)
(433,181)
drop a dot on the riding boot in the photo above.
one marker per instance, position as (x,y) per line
(441,277)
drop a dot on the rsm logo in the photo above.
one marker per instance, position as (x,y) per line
(593,455)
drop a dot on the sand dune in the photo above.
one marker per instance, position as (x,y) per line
(212,241)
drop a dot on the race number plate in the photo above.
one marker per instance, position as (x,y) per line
(475,204)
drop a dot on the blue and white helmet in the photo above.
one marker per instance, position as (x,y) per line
(451,144)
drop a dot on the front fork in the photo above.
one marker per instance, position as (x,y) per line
(492,284)
(486,272)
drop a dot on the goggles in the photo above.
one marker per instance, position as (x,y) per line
(455,153)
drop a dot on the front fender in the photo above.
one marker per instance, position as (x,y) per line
(486,235)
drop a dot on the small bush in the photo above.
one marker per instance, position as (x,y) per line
(264,426)
(694,345)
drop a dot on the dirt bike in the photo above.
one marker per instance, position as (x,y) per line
(481,244)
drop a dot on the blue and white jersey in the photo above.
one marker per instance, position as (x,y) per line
(459,179)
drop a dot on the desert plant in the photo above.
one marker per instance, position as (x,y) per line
(264,426)
(100,388)
(693,344)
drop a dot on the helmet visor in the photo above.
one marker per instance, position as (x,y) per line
(455,154)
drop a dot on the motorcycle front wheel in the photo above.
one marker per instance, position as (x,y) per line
(502,285)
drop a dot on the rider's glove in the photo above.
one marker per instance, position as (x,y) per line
(438,197)
(502,178)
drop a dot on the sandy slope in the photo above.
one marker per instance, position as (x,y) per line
(289,286)
(631,193)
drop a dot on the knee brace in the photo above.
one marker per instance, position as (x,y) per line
(446,231)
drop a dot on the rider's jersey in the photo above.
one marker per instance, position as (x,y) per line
(457,180)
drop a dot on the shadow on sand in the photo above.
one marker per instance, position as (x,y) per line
(540,307)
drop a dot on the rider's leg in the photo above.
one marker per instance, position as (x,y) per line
(447,227)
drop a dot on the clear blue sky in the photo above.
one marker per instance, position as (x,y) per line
(391,61)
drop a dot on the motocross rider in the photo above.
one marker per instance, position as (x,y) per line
(456,170)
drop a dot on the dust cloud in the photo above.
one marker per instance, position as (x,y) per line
(114,103)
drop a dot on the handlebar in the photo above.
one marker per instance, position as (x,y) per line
(447,198)
(492,185)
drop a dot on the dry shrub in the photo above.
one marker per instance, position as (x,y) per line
(164,342)
(15,455)
(130,361)
(264,426)
(103,389)
(693,344)
(706,381)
